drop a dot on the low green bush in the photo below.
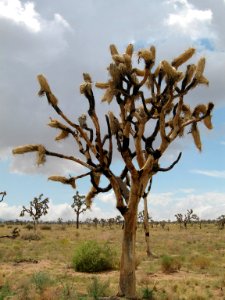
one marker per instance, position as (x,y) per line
(92,257)
(147,293)
(5,292)
(170,264)
(41,280)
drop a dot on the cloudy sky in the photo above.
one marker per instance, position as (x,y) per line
(63,39)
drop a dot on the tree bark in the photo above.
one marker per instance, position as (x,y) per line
(146,228)
(77,221)
(127,282)
(35,225)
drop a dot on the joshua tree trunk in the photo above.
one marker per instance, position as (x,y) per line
(77,221)
(35,225)
(127,283)
(146,228)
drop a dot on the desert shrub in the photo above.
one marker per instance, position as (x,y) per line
(200,261)
(41,280)
(147,293)
(46,227)
(5,291)
(29,226)
(68,291)
(170,264)
(98,289)
(31,236)
(93,257)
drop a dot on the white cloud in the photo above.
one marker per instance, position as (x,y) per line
(53,166)
(186,191)
(205,205)
(62,210)
(107,197)
(210,173)
(161,206)
(21,13)
(9,212)
(58,18)
(189,19)
(25,14)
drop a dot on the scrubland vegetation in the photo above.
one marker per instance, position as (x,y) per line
(49,263)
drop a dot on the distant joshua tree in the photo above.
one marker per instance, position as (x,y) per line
(60,221)
(3,194)
(221,222)
(187,218)
(79,206)
(96,222)
(152,114)
(37,209)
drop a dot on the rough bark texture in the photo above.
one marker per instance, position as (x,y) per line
(146,228)
(127,283)
(77,222)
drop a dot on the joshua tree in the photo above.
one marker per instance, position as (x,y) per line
(103,222)
(152,115)
(79,206)
(111,222)
(95,222)
(179,218)
(221,222)
(187,218)
(3,194)
(60,221)
(197,219)
(38,208)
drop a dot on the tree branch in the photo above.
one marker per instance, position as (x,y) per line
(171,166)
(71,158)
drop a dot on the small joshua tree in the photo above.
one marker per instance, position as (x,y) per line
(187,218)
(3,194)
(79,206)
(96,222)
(221,222)
(196,219)
(60,221)
(37,209)
(152,115)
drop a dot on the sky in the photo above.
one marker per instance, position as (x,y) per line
(63,39)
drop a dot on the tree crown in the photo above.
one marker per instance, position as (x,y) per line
(152,114)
